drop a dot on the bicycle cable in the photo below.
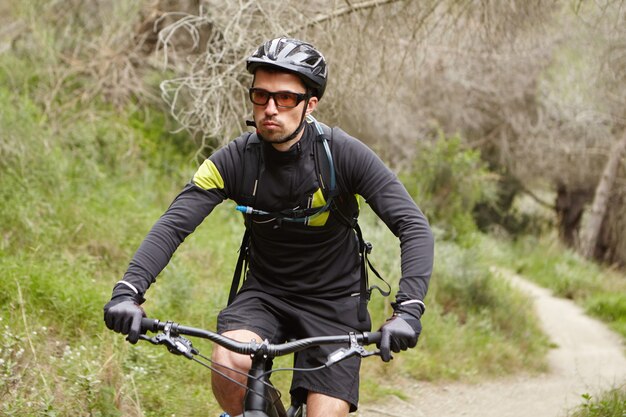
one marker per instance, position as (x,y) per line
(271,371)
(233,380)
(191,354)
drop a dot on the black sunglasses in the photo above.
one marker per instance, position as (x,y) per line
(287,99)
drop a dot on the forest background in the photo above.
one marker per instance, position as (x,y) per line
(505,120)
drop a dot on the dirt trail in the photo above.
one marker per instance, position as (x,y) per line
(589,358)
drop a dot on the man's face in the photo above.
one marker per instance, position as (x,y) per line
(276,123)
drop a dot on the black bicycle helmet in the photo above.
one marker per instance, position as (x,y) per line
(295,56)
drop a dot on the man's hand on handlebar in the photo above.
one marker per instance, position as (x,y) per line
(123,314)
(400,332)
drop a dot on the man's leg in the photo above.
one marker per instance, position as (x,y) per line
(228,394)
(320,405)
(339,382)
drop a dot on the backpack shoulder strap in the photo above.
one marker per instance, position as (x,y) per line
(251,162)
(342,209)
(322,157)
(240,268)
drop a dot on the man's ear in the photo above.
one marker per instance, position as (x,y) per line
(311,105)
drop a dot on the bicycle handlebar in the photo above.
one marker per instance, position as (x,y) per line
(273,350)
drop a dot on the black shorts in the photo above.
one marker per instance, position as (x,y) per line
(279,319)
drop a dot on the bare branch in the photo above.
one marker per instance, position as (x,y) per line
(535,197)
(343,11)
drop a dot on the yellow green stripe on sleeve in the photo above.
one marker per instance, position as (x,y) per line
(208,177)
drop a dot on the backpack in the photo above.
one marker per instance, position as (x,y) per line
(325,172)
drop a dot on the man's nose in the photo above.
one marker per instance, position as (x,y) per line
(270,107)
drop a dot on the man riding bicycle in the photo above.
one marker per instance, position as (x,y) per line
(296,182)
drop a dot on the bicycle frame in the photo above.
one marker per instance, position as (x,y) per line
(260,400)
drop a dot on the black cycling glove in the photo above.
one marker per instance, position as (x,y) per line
(123,313)
(399,332)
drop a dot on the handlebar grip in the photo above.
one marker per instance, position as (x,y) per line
(147,324)
(372,337)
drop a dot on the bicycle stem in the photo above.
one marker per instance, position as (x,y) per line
(254,400)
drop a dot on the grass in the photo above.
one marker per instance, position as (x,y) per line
(608,404)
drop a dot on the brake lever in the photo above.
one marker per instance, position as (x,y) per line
(148,339)
(177,345)
(367,353)
(354,350)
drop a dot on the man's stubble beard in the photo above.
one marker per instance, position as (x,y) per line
(276,137)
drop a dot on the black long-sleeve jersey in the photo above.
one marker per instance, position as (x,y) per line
(319,258)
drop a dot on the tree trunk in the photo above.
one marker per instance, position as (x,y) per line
(570,206)
(591,230)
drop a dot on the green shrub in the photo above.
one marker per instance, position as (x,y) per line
(610,307)
(609,404)
(448,180)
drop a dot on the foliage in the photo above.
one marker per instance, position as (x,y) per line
(53,175)
(610,307)
(63,245)
(448,180)
(77,187)
(92,51)
(609,404)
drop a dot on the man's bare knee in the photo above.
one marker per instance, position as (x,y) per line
(235,366)
(320,405)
